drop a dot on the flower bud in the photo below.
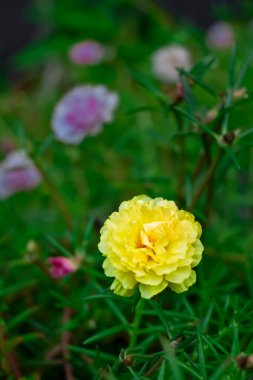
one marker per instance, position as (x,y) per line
(61,266)
(220,35)
(87,53)
(240,93)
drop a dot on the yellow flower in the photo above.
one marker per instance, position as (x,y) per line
(152,244)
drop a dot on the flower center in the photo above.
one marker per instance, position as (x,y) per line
(151,232)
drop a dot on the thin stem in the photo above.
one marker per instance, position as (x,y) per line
(206,144)
(209,198)
(136,323)
(14,365)
(56,196)
(181,176)
(199,166)
(9,362)
(208,177)
(154,367)
(64,343)
(205,157)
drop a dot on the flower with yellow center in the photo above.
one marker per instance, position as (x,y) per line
(151,244)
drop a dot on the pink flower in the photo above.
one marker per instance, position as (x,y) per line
(87,53)
(17,173)
(82,111)
(220,35)
(61,266)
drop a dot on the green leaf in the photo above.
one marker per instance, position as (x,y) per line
(88,230)
(58,246)
(190,370)
(17,288)
(161,374)
(191,118)
(231,67)
(107,296)
(188,95)
(217,375)
(215,343)
(246,133)
(93,353)
(247,99)
(211,347)
(44,146)
(201,356)
(161,314)
(243,71)
(148,85)
(141,109)
(107,332)
(201,84)
(206,320)
(235,349)
(188,190)
(174,365)
(25,314)
(232,157)
(135,375)
(115,309)
(202,66)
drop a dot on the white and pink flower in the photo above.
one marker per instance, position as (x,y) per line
(87,53)
(82,112)
(17,173)
(167,59)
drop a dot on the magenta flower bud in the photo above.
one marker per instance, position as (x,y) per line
(220,35)
(17,173)
(87,53)
(82,112)
(61,266)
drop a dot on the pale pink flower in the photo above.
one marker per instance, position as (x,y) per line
(167,59)
(83,111)
(87,53)
(17,173)
(220,35)
(61,266)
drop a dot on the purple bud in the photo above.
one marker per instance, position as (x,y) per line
(87,53)
(220,35)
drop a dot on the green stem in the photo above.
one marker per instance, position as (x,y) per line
(56,196)
(207,179)
(181,172)
(136,323)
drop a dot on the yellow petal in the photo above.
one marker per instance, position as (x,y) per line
(197,256)
(149,278)
(179,288)
(119,290)
(108,268)
(148,291)
(126,278)
(179,275)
